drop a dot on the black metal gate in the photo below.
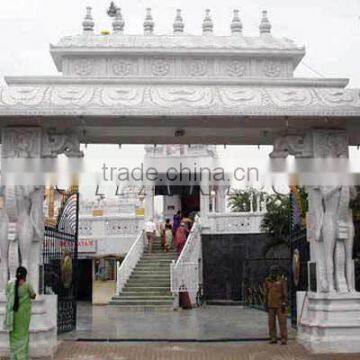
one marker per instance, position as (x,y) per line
(60,259)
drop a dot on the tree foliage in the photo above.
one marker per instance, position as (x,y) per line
(276,222)
(240,199)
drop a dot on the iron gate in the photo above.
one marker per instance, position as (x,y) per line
(60,260)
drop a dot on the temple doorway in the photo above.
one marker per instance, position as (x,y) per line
(179,198)
(84,280)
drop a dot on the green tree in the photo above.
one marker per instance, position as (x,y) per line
(239,200)
(276,222)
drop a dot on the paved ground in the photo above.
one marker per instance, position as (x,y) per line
(165,351)
(119,335)
(208,323)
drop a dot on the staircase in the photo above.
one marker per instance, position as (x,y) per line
(149,284)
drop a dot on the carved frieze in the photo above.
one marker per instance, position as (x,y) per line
(122,67)
(236,68)
(272,69)
(85,227)
(160,99)
(160,67)
(181,66)
(21,142)
(198,67)
(55,144)
(83,67)
(120,226)
(36,142)
(312,144)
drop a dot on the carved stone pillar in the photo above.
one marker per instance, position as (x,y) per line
(221,199)
(22,224)
(149,202)
(205,195)
(329,316)
(330,228)
(22,218)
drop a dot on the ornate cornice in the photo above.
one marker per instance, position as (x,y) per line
(167,100)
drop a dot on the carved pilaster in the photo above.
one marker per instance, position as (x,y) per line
(22,217)
(330,228)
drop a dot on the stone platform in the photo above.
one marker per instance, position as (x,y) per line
(209,323)
(43,327)
(329,323)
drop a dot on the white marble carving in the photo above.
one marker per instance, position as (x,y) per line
(236,68)
(22,211)
(122,67)
(55,144)
(160,67)
(234,223)
(83,67)
(330,224)
(85,227)
(272,69)
(177,99)
(198,67)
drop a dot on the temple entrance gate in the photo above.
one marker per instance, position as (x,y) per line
(193,89)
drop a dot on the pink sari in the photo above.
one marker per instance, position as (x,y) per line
(180,238)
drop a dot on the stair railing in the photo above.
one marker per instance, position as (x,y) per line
(131,259)
(184,273)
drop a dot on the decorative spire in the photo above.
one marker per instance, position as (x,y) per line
(236,24)
(118,23)
(178,23)
(207,25)
(148,23)
(265,26)
(88,23)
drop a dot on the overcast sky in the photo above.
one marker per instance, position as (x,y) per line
(330,30)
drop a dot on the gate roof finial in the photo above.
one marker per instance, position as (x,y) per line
(118,23)
(178,23)
(88,23)
(148,23)
(236,24)
(207,25)
(265,25)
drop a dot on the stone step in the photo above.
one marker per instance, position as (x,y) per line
(149,277)
(150,283)
(156,257)
(143,297)
(140,302)
(154,262)
(155,266)
(135,278)
(165,270)
(147,274)
(142,308)
(145,288)
(146,292)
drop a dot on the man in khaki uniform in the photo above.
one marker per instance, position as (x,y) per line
(276,297)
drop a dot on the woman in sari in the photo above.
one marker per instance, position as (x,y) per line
(181,236)
(168,236)
(176,222)
(19,294)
